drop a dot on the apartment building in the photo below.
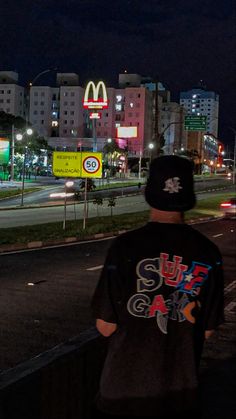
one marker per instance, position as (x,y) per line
(132,118)
(202,102)
(12,96)
(56,112)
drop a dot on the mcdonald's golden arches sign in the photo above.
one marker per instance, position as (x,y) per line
(95,96)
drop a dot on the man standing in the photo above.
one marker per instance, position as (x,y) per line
(159,296)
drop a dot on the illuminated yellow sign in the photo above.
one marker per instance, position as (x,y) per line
(127,132)
(77,164)
(93,101)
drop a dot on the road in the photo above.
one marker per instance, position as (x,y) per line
(40,215)
(45,295)
(42,197)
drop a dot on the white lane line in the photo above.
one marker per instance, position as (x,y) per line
(95,268)
(218,235)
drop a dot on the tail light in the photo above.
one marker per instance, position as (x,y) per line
(225,205)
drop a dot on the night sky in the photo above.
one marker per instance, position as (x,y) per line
(180,41)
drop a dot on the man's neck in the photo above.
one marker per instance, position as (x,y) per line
(170,217)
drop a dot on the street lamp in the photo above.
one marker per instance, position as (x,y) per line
(234,167)
(20,137)
(149,147)
(48,70)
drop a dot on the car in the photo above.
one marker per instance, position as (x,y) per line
(229,207)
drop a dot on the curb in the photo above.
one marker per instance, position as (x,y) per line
(7,248)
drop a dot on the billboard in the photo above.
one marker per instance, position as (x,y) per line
(127,132)
(4,151)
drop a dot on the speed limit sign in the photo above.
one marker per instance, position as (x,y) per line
(92,165)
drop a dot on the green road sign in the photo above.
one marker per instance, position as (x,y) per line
(195,123)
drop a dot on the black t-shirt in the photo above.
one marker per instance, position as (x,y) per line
(163,286)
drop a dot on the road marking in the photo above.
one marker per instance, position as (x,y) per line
(95,268)
(218,235)
(230,287)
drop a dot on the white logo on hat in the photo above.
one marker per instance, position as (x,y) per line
(172,185)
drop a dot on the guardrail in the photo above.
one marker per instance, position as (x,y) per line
(58,384)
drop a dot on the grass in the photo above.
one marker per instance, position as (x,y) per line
(53,231)
(16,191)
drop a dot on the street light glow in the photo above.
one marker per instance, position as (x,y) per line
(69,183)
(29,131)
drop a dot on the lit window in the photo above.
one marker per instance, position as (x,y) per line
(118,98)
(118,107)
(131,105)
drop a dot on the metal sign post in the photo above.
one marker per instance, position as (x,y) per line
(85,203)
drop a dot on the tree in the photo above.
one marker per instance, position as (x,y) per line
(111,203)
(98,200)
(90,184)
(112,153)
(33,146)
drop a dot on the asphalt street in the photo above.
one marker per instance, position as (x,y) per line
(45,300)
(45,294)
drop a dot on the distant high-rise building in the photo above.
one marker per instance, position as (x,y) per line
(202,102)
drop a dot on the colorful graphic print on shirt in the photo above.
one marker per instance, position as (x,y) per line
(180,304)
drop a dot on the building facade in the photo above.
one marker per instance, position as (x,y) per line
(202,102)
(12,96)
(137,110)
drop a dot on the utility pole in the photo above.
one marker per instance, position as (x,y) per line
(156,137)
(12,151)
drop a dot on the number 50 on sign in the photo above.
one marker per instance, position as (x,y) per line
(91,165)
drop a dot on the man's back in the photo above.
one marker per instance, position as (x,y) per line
(157,285)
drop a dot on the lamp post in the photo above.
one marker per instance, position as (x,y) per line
(20,137)
(149,147)
(234,167)
(31,84)
(12,151)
